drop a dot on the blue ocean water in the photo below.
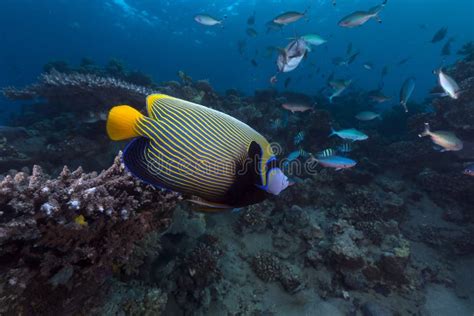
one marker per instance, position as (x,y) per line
(161,37)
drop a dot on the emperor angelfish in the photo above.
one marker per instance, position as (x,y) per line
(192,149)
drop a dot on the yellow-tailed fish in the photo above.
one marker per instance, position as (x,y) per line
(192,149)
(448,141)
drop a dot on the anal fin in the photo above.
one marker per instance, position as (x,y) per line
(210,207)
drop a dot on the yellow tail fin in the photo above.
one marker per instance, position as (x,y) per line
(121,122)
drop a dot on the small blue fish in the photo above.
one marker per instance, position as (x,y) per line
(349,134)
(295,155)
(328,158)
(299,138)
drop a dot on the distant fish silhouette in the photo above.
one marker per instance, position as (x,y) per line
(439,35)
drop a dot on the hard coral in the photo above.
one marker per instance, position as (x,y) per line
(133,299)
(196,273)
(56,86)
(253,219)
(48,258)
(444,188)
(266,266)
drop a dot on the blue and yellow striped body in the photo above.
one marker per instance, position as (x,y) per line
(189,148)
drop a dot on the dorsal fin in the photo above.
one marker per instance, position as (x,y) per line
(151,101)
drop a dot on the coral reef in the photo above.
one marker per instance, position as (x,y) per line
(132,298)
(195,273)
(63,238)
(107,244)
(266,266)
(456,115)
(10,157)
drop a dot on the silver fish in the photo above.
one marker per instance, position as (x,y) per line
(289,17)
(448,84)
(368,66)
(367,116)
(358,18)
(378,96)
(207,20)
(338,86)
(406,91)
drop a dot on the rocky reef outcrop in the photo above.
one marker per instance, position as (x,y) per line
(63,238)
